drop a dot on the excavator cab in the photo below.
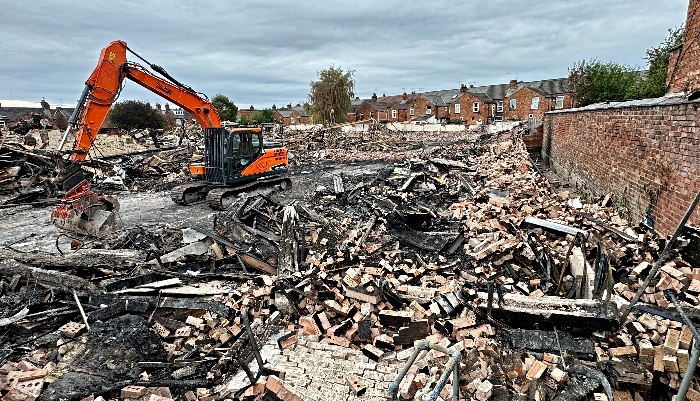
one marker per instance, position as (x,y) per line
(235,161)
(229,152)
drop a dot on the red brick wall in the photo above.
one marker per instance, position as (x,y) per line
(637,153)
(684,66)
(420,105)
(466,111)
(523,105)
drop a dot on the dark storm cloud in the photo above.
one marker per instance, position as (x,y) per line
(263,53)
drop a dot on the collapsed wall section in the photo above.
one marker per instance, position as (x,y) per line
(645,153)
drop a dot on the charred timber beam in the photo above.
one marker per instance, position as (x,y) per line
(582,314)
(49,278)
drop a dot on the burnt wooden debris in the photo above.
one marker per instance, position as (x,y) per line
(459,241)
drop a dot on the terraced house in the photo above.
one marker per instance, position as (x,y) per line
(470,105)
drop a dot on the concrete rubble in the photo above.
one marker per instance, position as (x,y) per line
(321,292)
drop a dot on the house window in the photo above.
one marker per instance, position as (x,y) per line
(291,119)
(475,107)
(499,106)
(499,118)
(413,111)
(560,102)
(371,114)
(513,103)
(393,114)
(428,110)
(458,108)
(535,103)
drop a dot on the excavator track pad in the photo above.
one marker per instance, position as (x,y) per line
(221,198)
(188,194)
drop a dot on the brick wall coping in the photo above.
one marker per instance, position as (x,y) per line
(657,101)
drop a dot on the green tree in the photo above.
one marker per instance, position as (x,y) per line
(225,107)
(654,83)
(595,81)
(135,114)
(329,98)
(264,116)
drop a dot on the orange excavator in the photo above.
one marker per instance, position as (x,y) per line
(235,160)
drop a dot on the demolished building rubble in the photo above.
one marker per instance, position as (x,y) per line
(324,291)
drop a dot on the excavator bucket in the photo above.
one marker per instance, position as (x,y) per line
(83,211)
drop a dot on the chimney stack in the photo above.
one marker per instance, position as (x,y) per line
(374,97)
(513,83)
(404,96)
(45,105)
(274,107)
(463,88)
(251,107)
(471,85)
(158,107)
(167,107)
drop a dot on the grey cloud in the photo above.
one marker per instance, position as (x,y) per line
(264,53)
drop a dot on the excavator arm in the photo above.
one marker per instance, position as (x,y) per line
(81,209)
(104,84)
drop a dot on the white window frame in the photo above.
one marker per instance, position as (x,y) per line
(535,103)
(458,108)
(499,106)
(498,118)
(513,104)
(428,110)
(559,102)
(413,111)
(393,114)
(475,107)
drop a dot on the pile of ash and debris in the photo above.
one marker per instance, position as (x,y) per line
(457,257)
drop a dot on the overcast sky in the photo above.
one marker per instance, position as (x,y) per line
(263,53)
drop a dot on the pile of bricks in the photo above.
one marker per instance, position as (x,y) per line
(350,277)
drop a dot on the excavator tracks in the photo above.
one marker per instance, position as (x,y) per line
(188,194)
(222,197)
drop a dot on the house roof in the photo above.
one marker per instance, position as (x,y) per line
(355,105)
(388,102)
(493,92)
(442,97)
(285,112)
(300,109)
